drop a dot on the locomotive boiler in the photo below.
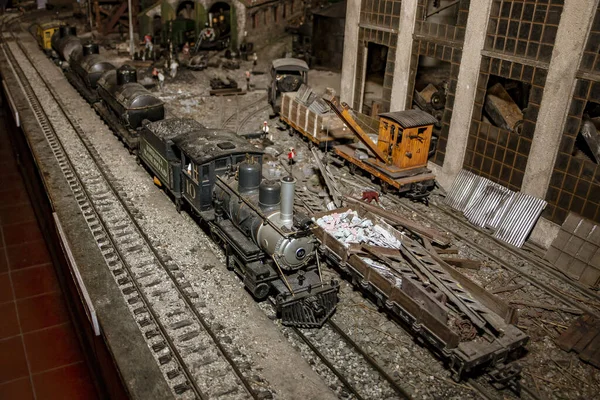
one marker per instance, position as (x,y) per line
(284,256)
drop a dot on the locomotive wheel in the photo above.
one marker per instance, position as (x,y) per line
(291,131)
(178,204)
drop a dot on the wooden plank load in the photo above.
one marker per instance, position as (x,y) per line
(308,114)
(469,327)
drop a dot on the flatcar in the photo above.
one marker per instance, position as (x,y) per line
(218,175)
(86,68)
(287,75)
(126,103)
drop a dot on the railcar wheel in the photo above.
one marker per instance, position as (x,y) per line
(385,187)
(178,204)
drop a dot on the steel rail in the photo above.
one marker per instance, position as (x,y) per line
(522,254)
(525,275)
(327,363)
(41,114)
(247,107)
(180,290)
(397,388)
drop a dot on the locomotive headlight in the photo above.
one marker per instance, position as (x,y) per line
(300,253)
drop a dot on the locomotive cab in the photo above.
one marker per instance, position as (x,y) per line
(161,156)
(287,75)
(206,154)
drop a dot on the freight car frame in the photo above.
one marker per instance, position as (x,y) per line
(423,315)
(319,128)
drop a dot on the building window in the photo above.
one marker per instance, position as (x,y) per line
(284,12)
(254,20)
(266,16)
(292,5)
(275,9)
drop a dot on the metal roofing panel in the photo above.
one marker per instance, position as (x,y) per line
(519,219)
(410,118)
(292,64)
(485,206)
(462,190)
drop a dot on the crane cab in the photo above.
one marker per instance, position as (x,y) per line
(404,137)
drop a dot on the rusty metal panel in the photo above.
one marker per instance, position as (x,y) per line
(519,219)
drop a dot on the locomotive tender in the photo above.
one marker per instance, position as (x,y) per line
(218,175)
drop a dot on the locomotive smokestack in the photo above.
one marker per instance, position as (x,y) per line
(288,186)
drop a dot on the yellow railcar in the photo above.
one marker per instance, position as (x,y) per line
(44,34)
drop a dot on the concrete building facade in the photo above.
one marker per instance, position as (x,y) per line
(543,53)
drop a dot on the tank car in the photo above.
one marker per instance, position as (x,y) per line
(86,68)
(126,103)
(65,41)
(218,175)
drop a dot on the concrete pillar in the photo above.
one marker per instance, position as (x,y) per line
(575,23)
(350,51)
(465,91)
(408,15)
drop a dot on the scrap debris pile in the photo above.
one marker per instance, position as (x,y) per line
(348,228)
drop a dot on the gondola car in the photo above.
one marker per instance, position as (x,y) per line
(287,75)
(126,103)
(218,175)
(64,42)
(86,68)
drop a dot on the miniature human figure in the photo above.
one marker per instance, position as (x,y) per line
(248,80)
(148,46)
(369,196)
(254,59)
(173,67)
(186,49)
(159,75)
(265,129)
(291,155)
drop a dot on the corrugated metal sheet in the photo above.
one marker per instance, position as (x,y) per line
(502,209)
(483,208)
(519,219)
(487,204)
(410,118)
(462,189)
(319,106)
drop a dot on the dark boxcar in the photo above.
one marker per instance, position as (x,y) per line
(129,101)
(158,152)
(205,154)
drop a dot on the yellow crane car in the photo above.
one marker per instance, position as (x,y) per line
(399,157)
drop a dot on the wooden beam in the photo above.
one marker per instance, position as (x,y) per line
(117,13)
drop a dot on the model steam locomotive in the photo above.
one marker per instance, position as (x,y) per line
(217,174)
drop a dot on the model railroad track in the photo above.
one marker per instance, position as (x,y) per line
(155,290)
(235,124)
(358,373)
(481,242)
